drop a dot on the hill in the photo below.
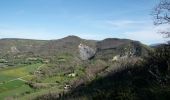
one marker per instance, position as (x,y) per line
(142,79)
(106,49)
(110,47)
(63,67)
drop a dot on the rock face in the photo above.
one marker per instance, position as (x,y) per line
(86,52)
(14,49)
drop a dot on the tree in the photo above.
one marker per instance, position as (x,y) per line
(161,15)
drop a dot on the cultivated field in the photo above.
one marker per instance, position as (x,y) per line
(12,80)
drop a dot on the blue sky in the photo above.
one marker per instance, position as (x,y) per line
(89,19)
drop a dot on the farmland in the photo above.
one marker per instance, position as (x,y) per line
(12,80)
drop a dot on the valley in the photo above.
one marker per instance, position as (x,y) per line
(84,49)
(70,67)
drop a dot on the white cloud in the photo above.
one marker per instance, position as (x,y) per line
(148,36)
(125,23)
(141,30)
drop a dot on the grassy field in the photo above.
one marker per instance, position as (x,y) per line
(16,72)
(10,83)
(14,88)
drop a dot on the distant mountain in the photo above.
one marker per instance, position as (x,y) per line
(159,44)
(105,49)
(41,47)
(110,47)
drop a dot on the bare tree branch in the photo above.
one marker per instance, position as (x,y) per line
(161,15)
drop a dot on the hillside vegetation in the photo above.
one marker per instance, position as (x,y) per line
(54,69)
(142,79)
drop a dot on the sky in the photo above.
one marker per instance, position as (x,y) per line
(88,19)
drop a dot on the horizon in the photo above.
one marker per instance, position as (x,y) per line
(66,37)
(95,20)
(80,38)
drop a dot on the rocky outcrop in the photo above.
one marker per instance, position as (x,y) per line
(86,52)
(14,49)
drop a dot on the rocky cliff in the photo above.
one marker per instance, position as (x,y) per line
(86,52)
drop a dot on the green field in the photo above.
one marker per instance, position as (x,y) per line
(10,83)
(14,88)
(16,72)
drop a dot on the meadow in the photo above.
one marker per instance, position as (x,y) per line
(12,80)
